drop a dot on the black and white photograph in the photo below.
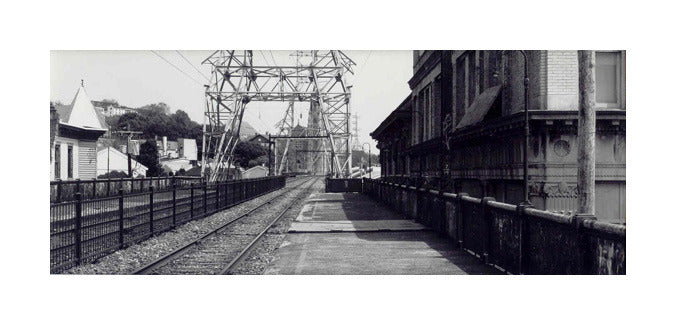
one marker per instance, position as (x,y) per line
(308,162)
(288,162)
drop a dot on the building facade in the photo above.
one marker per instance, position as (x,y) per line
(107,108)
(110,159)
(467,127)
(75,131)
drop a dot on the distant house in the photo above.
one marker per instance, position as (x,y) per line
(76,128)
(260,139)
(187,148)
(174,165)
(111,108)
(255,172)
(110,159)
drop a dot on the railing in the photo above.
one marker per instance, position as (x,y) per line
(63,191)
(339,185)
(84,230)
(518,239)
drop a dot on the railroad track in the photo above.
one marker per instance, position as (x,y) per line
(218,252)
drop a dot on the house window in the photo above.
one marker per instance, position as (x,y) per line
(57,161)
(70,161)
(609,79)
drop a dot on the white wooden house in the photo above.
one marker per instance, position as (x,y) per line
(110,159)
(73,150)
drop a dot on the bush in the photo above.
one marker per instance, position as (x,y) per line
(113,174)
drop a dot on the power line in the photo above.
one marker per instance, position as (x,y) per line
(192,65)
(358,74)
(263,56)
(273,57)
(177,68)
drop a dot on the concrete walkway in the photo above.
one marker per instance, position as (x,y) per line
(348,233)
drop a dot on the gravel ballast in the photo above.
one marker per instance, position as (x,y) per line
(127,260)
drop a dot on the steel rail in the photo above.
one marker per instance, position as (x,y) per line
(163,260)
(245,252)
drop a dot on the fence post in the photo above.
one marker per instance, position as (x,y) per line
(94,188)
(523,237)
(204,194)
(218,195)
(173,205)
(582,249)
(460,221)
(152,225)
(58,191)
(108,186)
(192,196)
(443,227)
(120,192)
(486,231)
(131,190)
(78,228)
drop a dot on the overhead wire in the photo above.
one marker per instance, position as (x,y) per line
(177,68)
(192,65)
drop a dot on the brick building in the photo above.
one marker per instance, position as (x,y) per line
(295,159)
(466,127)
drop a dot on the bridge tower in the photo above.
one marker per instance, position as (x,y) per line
(237,79)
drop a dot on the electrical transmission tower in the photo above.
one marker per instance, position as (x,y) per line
(356,144)
(236,80)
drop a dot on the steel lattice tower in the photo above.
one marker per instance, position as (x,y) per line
(237,79)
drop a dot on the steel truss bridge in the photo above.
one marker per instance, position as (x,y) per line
(317,78)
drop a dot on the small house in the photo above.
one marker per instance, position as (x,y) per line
(76,129)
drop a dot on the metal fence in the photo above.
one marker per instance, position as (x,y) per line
(83,230)
(339,185)
(63,191)
(518,239)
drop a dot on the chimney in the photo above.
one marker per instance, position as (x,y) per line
(53,126)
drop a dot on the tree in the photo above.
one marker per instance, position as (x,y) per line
(148,156)
(130,121)
(260,161)
(110,102)
(113,174)
(248,151)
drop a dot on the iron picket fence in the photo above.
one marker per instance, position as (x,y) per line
(83,230)
(63,191)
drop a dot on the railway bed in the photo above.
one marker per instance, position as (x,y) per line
(127,260)
(223,248)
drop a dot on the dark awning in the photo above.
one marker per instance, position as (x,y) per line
(478,110)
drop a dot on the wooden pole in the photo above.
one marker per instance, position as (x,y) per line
(586,135)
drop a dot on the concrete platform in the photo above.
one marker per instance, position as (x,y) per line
(348,233)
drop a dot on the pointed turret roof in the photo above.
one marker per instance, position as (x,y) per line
(83,113)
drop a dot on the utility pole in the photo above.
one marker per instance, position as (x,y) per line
(586,136)
(129,135)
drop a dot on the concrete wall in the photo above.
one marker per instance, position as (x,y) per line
(255,172)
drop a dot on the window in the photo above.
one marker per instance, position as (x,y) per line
(57,161)
(70,161)
(462,87)
(425,114)
(609,79)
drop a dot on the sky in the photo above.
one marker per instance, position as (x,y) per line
(137,78)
